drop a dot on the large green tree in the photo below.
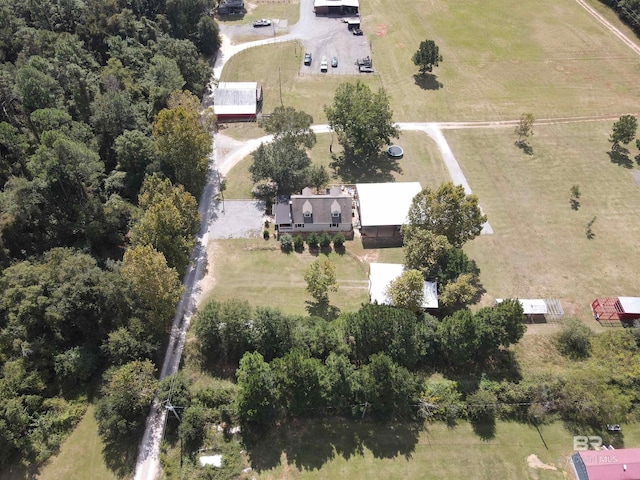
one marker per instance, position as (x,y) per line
(321,279)
(282,162)
(292,124)
(127,393)
(623,131)
(256,400)
(424,250)
(407,291)
(362,121)
(169,221)
(447,211)
(183,142)
(427,56)
(155,283)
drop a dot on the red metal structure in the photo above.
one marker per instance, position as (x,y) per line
(616,309)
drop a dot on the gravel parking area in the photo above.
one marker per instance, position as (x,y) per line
(240,219)
(329,36)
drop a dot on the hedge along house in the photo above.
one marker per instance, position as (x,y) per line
(336,7)
(237,101)
(329,212)
(382,210)
(382,274)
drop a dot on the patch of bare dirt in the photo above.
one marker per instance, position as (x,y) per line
(209,280)
(534,462)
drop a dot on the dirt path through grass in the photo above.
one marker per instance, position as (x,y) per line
(626,40)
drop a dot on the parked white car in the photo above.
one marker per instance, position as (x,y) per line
(324,66)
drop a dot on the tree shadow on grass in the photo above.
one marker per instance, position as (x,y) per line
(427,81)
(524,146)
(575,204)
(620,156)
(322,309)
(309,444)
(484,427)
(377,169)
(121,456)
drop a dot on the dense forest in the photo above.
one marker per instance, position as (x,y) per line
(103,153)
(628,11)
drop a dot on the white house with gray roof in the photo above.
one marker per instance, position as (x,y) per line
(327,212)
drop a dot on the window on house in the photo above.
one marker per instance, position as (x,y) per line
(299,225)
(307,214)
(334,225)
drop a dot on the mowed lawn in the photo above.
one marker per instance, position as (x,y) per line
(81,456)
(344,449)
(547,57)
(540,248)
(421,162)
(257,271)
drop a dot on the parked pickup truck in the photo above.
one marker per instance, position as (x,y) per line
(262,23)
(324,66)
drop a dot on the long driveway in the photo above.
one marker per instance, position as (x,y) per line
(148,462)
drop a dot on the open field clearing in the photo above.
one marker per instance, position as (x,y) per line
(340,449)
(540,247)
(550,58)
(498,62)
(256,270)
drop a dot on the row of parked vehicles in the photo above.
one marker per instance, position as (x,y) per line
(324,64)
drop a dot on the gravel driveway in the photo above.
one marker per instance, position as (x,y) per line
(239,219)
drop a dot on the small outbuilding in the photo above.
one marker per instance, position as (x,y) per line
(382,274)
(607,464)
(616,309)
(336,7)
(237,101)
(539,310)
(231,7)
(383,209)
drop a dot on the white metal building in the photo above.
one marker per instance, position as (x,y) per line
(382,274)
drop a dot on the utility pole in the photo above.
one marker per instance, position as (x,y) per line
(280,83)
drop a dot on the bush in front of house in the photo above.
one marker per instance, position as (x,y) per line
(286,243)
(266,234)
(298,243)
(338,241)
(313,241)
(325,240)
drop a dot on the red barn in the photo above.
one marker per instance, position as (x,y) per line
(237,101)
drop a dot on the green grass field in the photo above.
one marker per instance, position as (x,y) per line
(344,449)
(540,247)
(81,456)
(256,270)
(549,58)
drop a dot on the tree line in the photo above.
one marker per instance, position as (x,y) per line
(371,359)
(103,153)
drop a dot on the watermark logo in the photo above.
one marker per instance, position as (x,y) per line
(584,442)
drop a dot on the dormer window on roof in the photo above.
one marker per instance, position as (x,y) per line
(335,209)
(307,210)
